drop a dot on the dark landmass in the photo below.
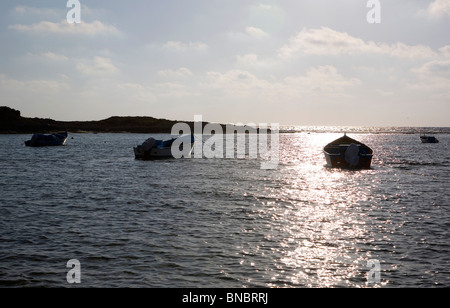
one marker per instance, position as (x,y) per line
(11,122)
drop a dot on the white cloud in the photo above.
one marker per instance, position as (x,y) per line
(96,67)
(65,28)
(170,89)
(180,46)
(265,6)
(439,8)
(433,79)
(33,86)
(54,56)
(48,56)
(237,82)
(28,10)
(445,51)
(250,59)
(256,32)
(434,68)
(249,33)
(325,41)
(136,91)
(321,81)
(181,72)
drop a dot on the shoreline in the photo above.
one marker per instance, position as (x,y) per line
(12,123)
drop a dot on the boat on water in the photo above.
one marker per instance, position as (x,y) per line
(160,149)
(428,139)
(348,153)
(42,140)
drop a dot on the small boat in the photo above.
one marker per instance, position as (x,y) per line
(41,140)
(348,153)
(160,149)
(428,139)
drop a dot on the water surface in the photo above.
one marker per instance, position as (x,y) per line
(224,222)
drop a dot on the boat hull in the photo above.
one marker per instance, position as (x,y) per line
(338,161)
(348,153)
(40,140)
(426,139)
(160,149)
(164,153)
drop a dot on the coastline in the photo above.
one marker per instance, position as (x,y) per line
(11,122)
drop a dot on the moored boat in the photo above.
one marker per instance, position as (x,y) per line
(428,139)
(42,140)
(160,149)
(346,152)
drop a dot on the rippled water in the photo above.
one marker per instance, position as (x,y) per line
(224,222)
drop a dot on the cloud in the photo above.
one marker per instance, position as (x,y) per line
(136,91)
(434,68)
(325,41)
(249,33)
(65,28)
(28,10)
(237,82)
(439,8)
(54,56)
(432,78)
(445,51)
(181,72)
(34,86)
(97,67)
(250,58)
(48,56)
(180,46)
(321,81)
(256,32)
(253,60)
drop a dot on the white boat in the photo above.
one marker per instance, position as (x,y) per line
(160,149)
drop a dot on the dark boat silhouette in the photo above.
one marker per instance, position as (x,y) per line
(41,140)
(160,149)
(428,139)
(348,153)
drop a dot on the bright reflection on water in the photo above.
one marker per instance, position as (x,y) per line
(317,217)
(330,222)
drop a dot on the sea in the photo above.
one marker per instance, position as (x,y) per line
(88,214)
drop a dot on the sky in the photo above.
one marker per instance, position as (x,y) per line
(291,62)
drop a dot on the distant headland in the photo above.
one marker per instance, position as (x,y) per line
(11,122)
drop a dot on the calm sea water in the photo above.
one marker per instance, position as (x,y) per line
(225,222)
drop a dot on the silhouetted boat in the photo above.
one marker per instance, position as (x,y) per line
(41,140)
(428,139)
(346,152)
(159,149)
